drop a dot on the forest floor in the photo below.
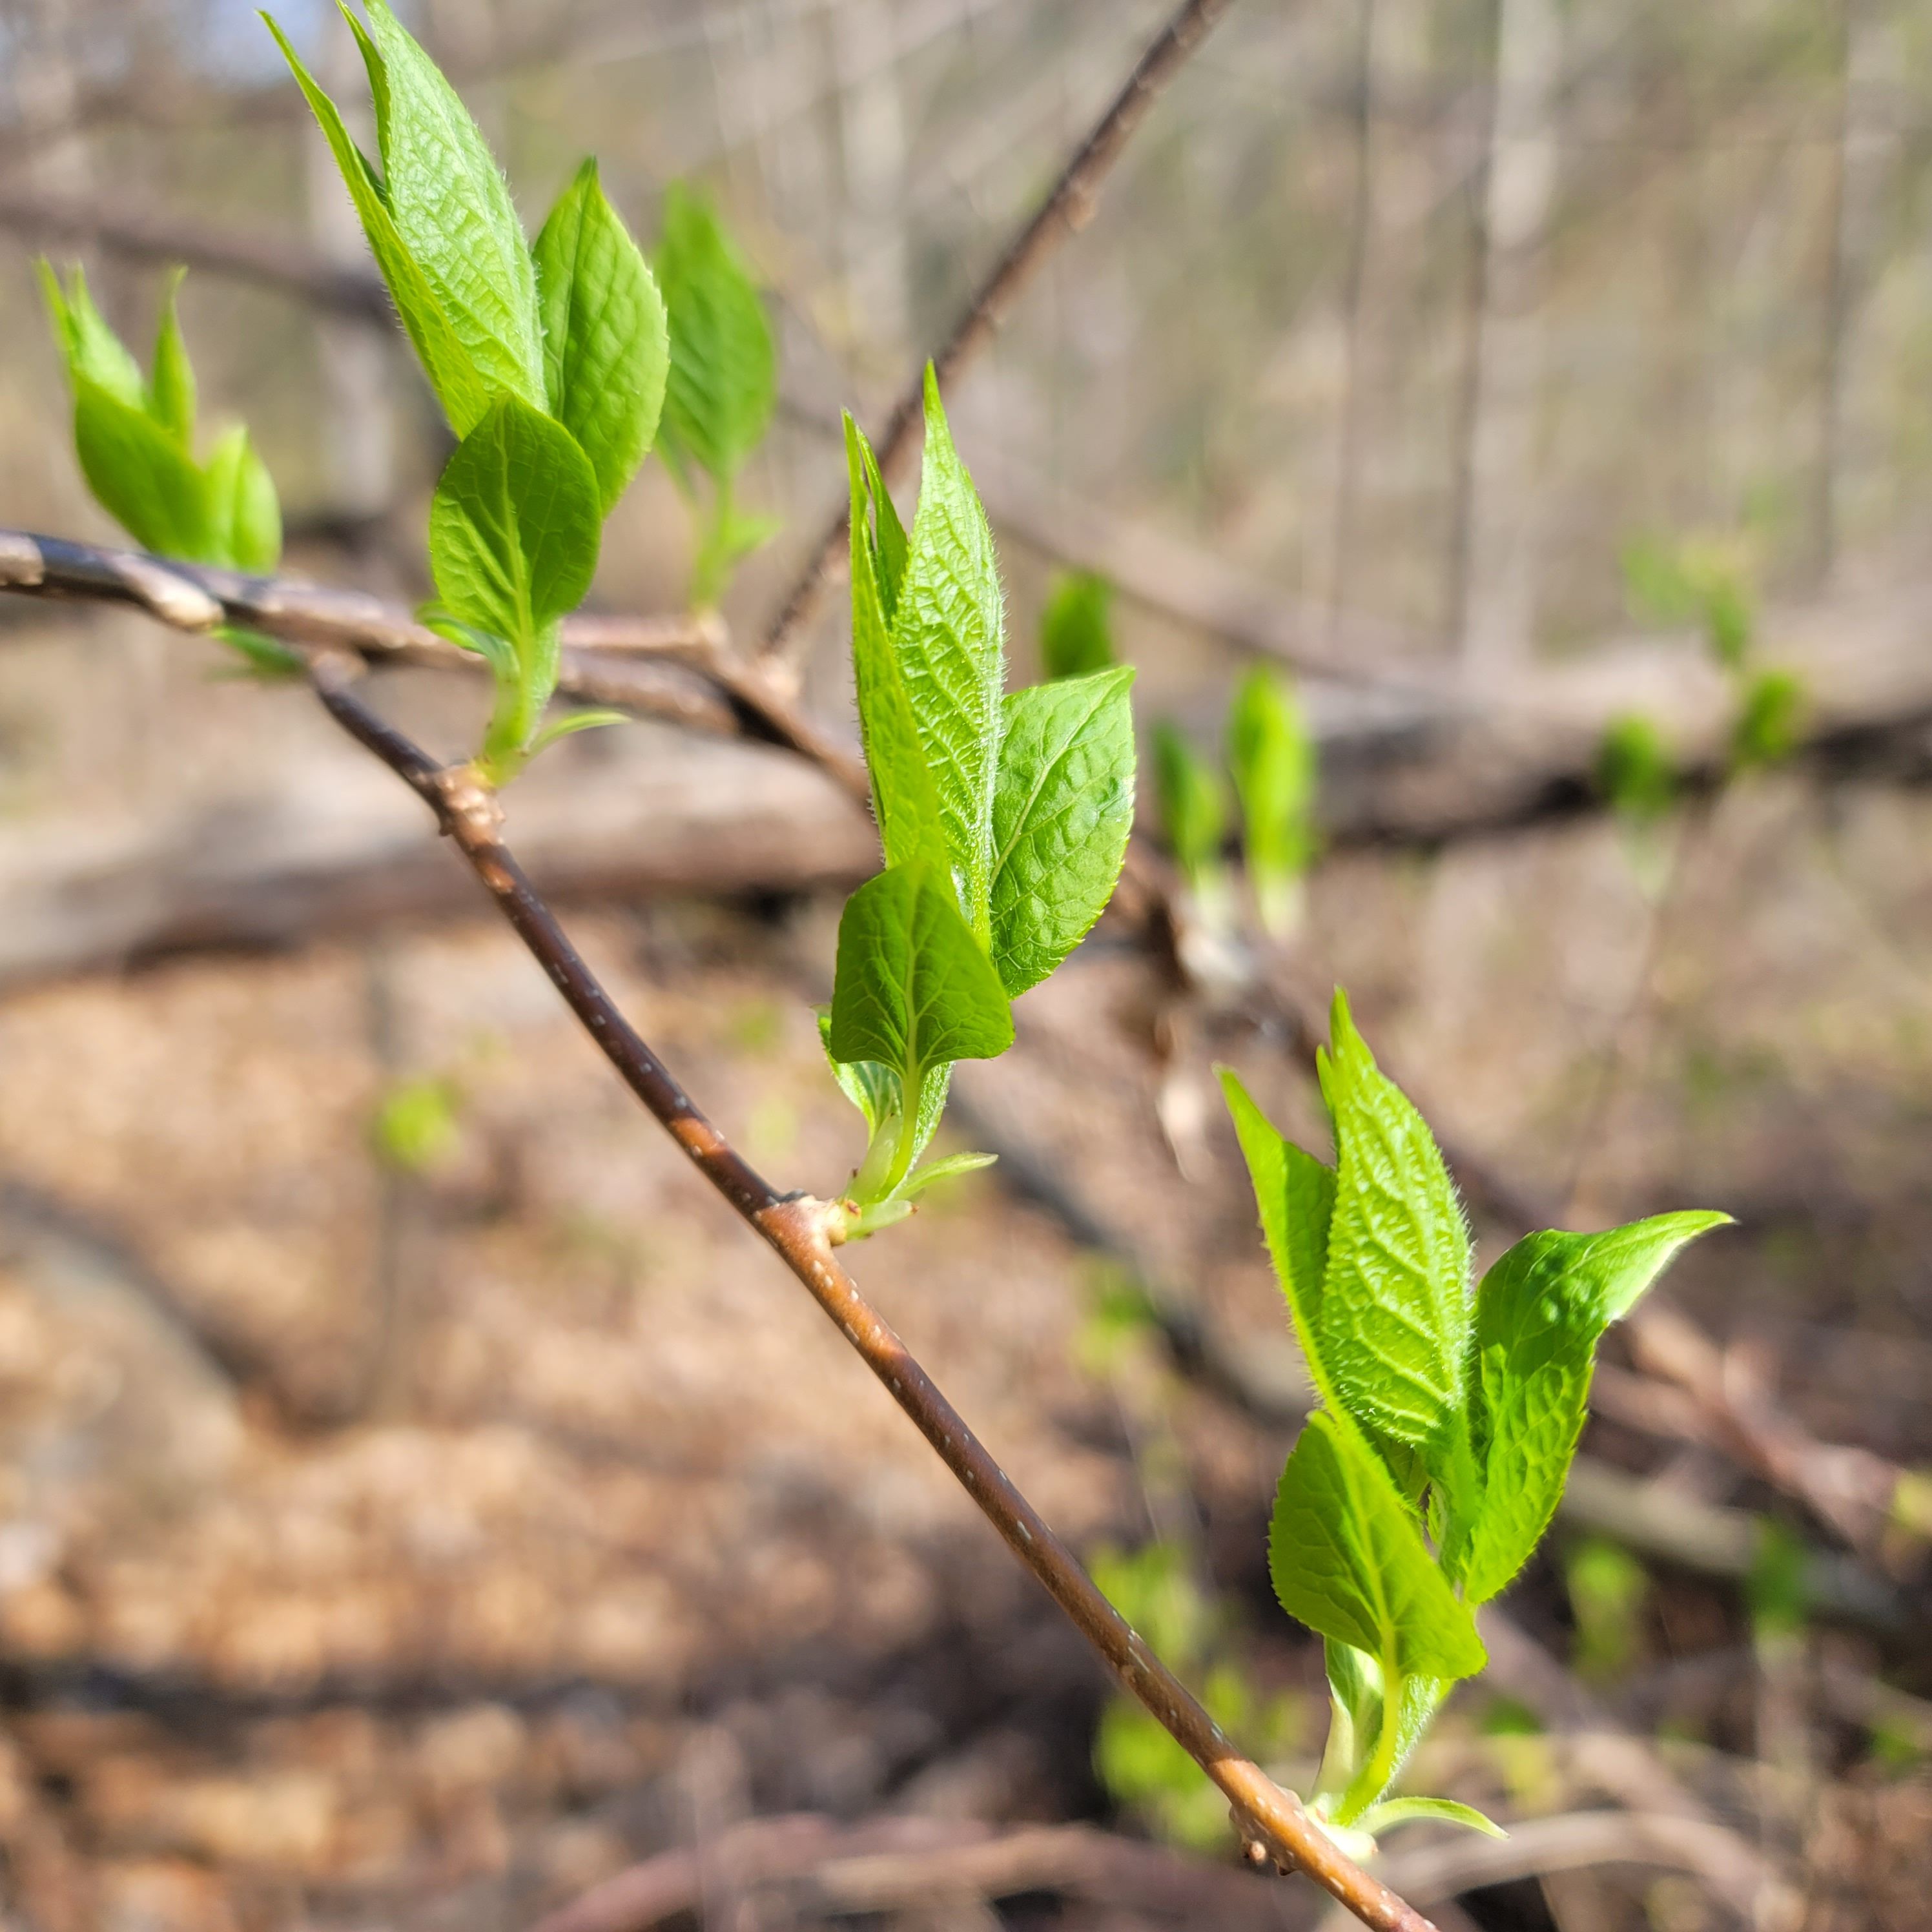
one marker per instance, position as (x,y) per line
(409,1525)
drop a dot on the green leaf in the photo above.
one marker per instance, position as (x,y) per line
(171,389)
(1540,1314)
(1296,1196)
(459,384)
(1634,770)
(1770,721)
(947,632)
(904,798)
(912,990)
(1076,634)
(91,350)
(1395,1295)
(1063,807)
(244,513)
(950,1168)
(141,477)
(514,527)
(1348,1560)
(572,722)
(889,542)
(605,348)
(1379,1818)
(1191,802)
(451,209)
(723,374)
(1273,759)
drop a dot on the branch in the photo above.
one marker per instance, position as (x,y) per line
(794,1226)
(884,1864)
(680,669)
(1068,207)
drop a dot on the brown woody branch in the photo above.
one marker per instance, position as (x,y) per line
(796,1227)
(1067,208)
(680,669)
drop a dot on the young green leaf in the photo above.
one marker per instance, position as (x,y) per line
(91,350)
(605,348)
(452,211)
(1296,1196)
(1063,807)
(1076,634)
(1395,1296)
(1540,1314)
(723,378)
(141,476)
(1273,759)
(459,385)
(171,390)
(1379,1818)
(1193,807)
(244,515)
(889,542)
(513,528)
(903,798)
(912,989)
(947,631)
(1348,1560)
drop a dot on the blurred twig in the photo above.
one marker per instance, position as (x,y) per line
(1067,207)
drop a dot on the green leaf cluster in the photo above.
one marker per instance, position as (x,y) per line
(1270,755)
(550,360)
(1003,817)
(136,437)
(1447,1419)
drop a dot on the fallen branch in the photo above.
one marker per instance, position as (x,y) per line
(886,1863)
(795,1226)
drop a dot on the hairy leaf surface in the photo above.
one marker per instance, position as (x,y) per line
(1395,1296)
(446,361)
(451,209)
(1063,807)
(1348,1560)
(947,633)
(606,351)
(903,798)
(1540,1314)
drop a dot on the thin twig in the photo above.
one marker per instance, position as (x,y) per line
(1067,208)
(680,669)
(884,1864)
(795,1226)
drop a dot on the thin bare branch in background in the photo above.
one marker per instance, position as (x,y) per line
(1068,205)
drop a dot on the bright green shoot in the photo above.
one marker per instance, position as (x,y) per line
(1271,754)
(554,362)
(723,381)
(1003,818)
(1191,801)
(136,437)
(1447,1420)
